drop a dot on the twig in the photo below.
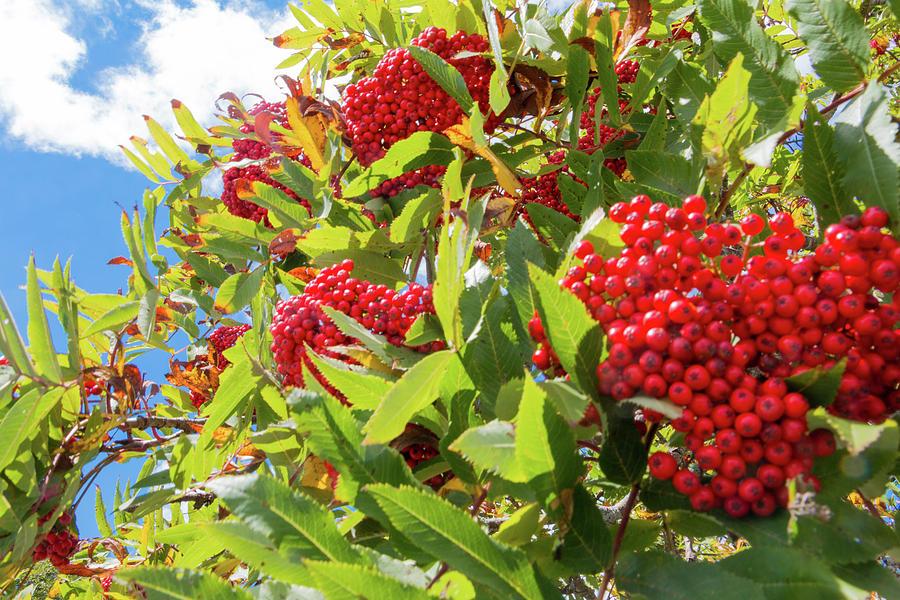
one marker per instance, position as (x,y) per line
(182,423)
(723,202)
(444,568)
(868,504)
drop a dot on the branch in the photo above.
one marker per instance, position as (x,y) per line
(182,423)
(200,499)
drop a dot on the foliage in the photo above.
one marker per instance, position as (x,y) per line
(355,406)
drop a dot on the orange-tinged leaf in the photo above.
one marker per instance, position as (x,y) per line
(285,242)
(305,274)
(637,24)
(248,449)
(483,250)
(120,260)
(310,132)
(346,42)
(199,375)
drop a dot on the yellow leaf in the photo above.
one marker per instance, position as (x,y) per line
(315,474)
(461,136)
(309,133)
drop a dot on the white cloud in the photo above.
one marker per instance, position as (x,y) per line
(191,53)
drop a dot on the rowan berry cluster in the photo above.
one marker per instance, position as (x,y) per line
(299,321)
(92,387)
(249,210)
(59,544)
(400,98)
(252,149)
(686,319)
(224,338)
(626,71)
(429,175)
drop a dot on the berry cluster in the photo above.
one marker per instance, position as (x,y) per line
(299,321)
(92,387)
(690,321)
(400,98)
(627,70)
(249,210)
(59,544)
(251,149)
(224,338)
(429,175)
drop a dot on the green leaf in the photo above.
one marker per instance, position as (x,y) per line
(41,344)
(498,94)
(287,210)
(545,446)
(849,536)
(687,86)
(187,122)
(693,524)
(870,576)
(372,266)
(823,173)
(414,391)
(364,390)
(341,581)
(439,528)
(23,420)
(864,140)
(623,456)
(491,359)
(417,214)
(536,36)
(491,447)
(11,344)
(856,436)
(521,525)
(289,518)
(146,315)
(238,291)
(574,335)
(655,575)
(235,385)
(727,121)
(735,30)
(785,573)
(162,583)
(818,385)
(385,351)
(669,173)
(421,149)
(425,329)
(113,318)
(100,515)
(172,151)
(836,38)
(587,545)
(254,549)
(446,76)
(659,495)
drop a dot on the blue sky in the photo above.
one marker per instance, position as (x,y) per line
(75,80)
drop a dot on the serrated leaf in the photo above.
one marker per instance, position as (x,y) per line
(818,385)
(870,576)
(43,354)
(340,581)
(372,266)
(491,359)
(545,446)
(660,405)
(669,173)
(100,515)
(850,535)
(498,94)
(659,495)
(785,573)
(256,550)
(864,141)
(289,212)
(146,314)
(23,419)
(623,455)
(855,435)
(417,214)
(823,174)
(363,390)
(491,447)
(11,344)
(574,335)
(536,36)
(836,38)
(439,528)
(235,385)
(655,575)
(421,149)
(414,391)
(425,329)
(237,291)
(446,76)
(386,352)
(587,546)
(160,583)
(735,30)
(520,526)
(289,518)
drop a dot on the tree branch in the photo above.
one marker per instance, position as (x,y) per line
(146,422)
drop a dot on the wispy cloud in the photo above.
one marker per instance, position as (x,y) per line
(193,53)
